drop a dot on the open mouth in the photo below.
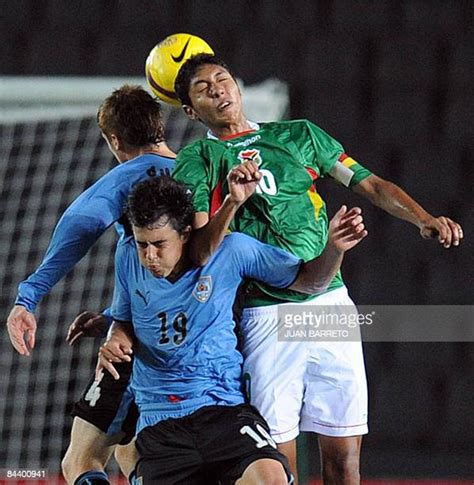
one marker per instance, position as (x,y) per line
(224,105)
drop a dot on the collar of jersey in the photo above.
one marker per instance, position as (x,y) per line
(254,127)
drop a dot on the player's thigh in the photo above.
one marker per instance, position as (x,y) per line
(89,449)
(127,457)
(108,404)
(335,400)
(239,437)
(89,440)
(288,448)
(168,454)
(273,372)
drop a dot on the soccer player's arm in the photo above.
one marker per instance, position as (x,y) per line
(120,338)
(328,158)
(72,238)
(394,200)
(83,222)
(283,270)
(89,324)
(214,213)
(324,156)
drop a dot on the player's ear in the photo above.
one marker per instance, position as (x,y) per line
(115,141)
(190,113)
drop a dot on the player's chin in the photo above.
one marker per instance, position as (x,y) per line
(156,272)
(229,113)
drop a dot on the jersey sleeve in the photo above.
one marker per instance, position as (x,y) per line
(83,222)
(121,305)
(319,150)
(348,172)
(72,238)
(323,153)
(265,263)
(192,169)
(107,313)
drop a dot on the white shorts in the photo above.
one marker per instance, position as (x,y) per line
(305,386)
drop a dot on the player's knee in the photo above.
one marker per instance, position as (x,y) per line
(264,472)
(66,467)
(72,466)
(340,459)
(77,462)
(341,468)
(127,457)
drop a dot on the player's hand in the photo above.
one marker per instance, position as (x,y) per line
(242,181)
(21,325)
(117,349)
(346,229)
(448,232)
(87,324)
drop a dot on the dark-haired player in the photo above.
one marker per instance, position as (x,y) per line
(316,386)
(194,427)
(131,123)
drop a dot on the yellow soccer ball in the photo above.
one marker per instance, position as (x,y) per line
(165,60)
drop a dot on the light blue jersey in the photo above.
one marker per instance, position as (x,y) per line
(186,355)
(85,220)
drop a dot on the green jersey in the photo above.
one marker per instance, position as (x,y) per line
(286,211)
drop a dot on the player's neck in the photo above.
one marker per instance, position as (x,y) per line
(181,267)
(231,130)
(161,149)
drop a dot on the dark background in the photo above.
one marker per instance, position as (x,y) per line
(391,80)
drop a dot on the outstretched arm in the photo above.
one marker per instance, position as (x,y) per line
(72,238)
(208,234)
(346,230)
(398,203)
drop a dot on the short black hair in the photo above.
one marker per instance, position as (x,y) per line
(133,114)
(189,69)
(161,200)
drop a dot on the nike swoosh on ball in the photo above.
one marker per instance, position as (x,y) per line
(181,56)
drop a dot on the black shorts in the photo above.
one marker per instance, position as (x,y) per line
(109,405)
(213,445)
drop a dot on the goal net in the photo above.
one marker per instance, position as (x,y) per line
(51,150)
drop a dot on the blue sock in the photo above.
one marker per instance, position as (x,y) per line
(132,478)
(92,477)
